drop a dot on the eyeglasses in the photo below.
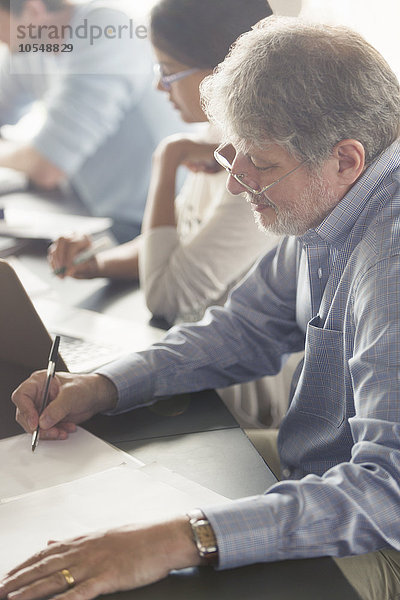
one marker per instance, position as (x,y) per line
(220,155)
(167,80)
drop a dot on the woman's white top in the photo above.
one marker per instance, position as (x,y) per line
(184,270)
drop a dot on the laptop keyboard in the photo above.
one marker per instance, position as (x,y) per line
(82,355)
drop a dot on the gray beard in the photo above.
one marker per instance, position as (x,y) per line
(313,206)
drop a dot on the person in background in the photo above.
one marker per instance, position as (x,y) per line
(196,245)
(96,134)
(191,250)
(319,156)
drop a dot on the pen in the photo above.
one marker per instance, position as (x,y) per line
(96,247)
(51,367)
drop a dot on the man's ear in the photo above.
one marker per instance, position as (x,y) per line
(350,161)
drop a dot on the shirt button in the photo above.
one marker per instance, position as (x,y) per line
(320,273)
(286,472)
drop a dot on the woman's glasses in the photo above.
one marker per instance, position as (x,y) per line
(167,80)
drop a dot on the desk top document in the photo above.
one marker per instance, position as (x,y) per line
(79,485)
(20,223)
(12,181)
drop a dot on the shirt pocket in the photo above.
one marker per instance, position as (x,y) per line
(321,388)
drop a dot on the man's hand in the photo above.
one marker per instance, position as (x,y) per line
(73,399)
(25,158)
(102,563)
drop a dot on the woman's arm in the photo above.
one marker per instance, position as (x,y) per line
(121,262)
(172,152)
(182,276)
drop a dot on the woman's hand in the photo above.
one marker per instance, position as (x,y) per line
(102,563)
(195,154)
(170,154)
(199,157)
(61,255)
(73,399)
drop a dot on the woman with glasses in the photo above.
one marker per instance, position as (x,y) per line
(196,245)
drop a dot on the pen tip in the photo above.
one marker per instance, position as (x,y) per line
(34,441)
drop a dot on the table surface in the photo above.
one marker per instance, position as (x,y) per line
(194,435)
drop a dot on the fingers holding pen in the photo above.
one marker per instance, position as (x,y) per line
(28,398)
(63,251)
(76,256)
(72,399)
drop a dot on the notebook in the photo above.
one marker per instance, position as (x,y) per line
(25,340)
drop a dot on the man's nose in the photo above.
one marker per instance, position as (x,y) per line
(238,167)
(233,186)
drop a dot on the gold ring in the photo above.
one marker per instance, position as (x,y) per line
(70,581)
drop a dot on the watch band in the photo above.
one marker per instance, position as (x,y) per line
(204,537)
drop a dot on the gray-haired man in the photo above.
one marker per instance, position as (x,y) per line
(313,113)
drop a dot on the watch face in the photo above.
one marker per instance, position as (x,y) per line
(204,538)
(207,536)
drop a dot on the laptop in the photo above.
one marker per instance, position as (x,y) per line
(26,342)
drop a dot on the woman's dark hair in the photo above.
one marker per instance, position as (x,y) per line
(199,33)
(17,6)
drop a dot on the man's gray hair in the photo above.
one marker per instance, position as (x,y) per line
(304,86)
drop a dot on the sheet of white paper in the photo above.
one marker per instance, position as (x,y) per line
(23,471)
(112,498)
(202,494)
(25,224)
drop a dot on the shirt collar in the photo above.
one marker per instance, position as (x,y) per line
(336,227)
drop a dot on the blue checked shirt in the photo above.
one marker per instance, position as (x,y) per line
(335,292)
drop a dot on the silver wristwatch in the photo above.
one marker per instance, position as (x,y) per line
(204,537)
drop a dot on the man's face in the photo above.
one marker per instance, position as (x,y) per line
(291,207)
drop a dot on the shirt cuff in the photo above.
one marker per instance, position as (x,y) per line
(247,531)
(120,373)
